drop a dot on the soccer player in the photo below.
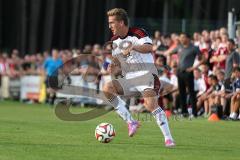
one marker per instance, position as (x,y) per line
(132,59)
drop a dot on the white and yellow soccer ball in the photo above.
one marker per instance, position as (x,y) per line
(105,132)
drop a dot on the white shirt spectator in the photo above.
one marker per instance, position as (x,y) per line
(200,86)
(174,80)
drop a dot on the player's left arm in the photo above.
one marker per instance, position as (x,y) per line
(144,48)
(141,48)
(143,44)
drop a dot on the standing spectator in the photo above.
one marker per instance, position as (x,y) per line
(4,66)
(174,44)
(14,64)
(26,65)
(39,63)
(223,31)
(205,45)
(157,38)
(187,53)
(219,57)
(51,66)
(212,36)
(196,38)
(232,60)
(96,50)
(160,43)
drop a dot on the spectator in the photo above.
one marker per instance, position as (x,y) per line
(4,66)
(187,53)
(213,95)
(160,62)
(200,89)
(205,73)
(232,60)
(219,56)
(96,50)
(157,39)
(212,36)
(214,45)
(235,100)
(220,76)
(199,83)
(160,43)
(174,43)
(196,38)
(51,66)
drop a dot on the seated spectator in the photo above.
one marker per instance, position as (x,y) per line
(214,98)
(160,62)
(235,100)
(222,82)
(199,83)
(205,73)
(200,89)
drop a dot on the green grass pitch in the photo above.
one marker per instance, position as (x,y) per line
(33,132)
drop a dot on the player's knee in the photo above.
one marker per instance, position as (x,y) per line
(108,87)
(150,103)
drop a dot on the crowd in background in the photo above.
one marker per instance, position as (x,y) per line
(216,81)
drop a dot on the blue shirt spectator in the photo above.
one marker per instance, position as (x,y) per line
(236,84)
(52,64)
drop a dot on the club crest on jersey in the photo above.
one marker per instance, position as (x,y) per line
(122,45)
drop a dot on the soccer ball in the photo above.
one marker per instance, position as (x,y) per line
(105,132)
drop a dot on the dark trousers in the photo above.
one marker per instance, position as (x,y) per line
(186,80)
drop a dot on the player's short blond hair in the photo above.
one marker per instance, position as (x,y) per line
(121,14)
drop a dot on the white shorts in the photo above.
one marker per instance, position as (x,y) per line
(136,85)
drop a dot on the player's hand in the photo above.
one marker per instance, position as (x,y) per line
(110,68)
(113,69)
(127,51)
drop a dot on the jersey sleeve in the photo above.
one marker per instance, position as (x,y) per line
(145,40)
(141,35)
